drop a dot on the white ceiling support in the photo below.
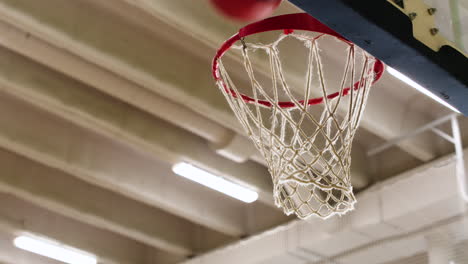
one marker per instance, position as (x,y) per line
(27,130)
(429,126)
(116,86)
(462,175)
(107,116)
(22,42)
(455,139)
(228,143)
(19,217)
(95,206)
(56,24)
(139,49)
(386,121)
(106,164)
(393,216)
(113,166)
(126,91)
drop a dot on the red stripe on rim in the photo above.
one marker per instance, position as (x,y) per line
(287,23)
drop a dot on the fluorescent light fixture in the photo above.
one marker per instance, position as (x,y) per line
(214,182)
(418,87)
(53,250)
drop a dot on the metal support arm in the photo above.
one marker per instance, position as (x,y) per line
(455,139)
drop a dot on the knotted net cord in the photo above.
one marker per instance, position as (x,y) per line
(307,141)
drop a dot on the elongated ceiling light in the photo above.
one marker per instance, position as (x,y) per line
(53,250)
(418,87)
(214,182)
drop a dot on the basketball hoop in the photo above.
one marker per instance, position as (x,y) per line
(305,139)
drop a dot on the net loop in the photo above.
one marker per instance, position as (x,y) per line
(306,140)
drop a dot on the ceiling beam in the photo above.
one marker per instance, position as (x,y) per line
(135,54)
(87,108)
(30,46)
(104,162)
(113,166)
(108,116)
(19,217)
(68,196)
(154,179)
(71,65)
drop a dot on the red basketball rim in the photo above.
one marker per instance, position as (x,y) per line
(299,21)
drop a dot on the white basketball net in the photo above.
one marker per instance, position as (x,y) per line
(307,147)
